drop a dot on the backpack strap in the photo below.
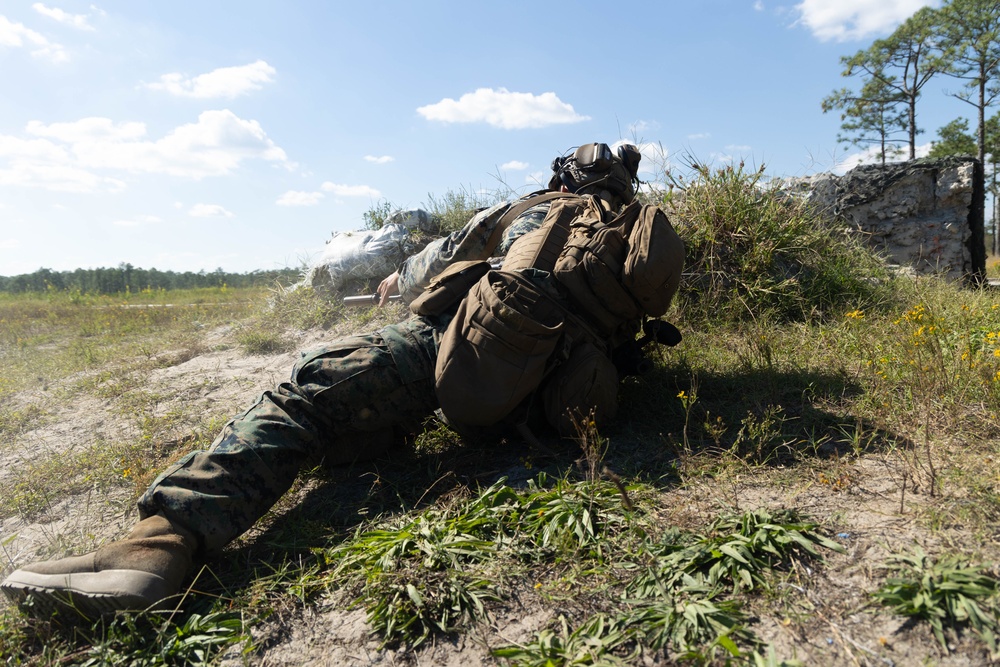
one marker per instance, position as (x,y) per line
(517,209)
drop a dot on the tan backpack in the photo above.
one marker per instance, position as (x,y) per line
(508,335)
(622,269)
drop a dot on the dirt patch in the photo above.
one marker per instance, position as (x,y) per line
(221,380)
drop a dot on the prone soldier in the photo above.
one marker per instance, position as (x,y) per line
(584,266)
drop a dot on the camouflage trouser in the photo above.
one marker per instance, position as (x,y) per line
(340,403)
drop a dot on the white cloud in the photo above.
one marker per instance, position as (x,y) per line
(640,126)
(87,129)
(209,211)
(873,155)
(699,135)
(299,198)
(736,148)
(504,109)
(78,21)
(847,20)
(222,82)
(514,165)
(70,156)
(758,6)
(382,159)
(57,177)
(213,146)
(32,150)
(16,35)
(138,221)
(9,244)
(351,190)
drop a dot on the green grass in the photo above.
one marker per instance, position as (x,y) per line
(948,594)
(45,338)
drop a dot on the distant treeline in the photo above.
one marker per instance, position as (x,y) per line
(127,278)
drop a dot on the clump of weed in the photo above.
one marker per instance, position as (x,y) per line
(948,594)
(593,642)
(455,208)
(147,639)
(431,573)
(754,253)
(673,599)
(739,550)
(261,340)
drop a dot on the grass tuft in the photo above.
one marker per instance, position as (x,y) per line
(948,594)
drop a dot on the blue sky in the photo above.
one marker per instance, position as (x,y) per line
(195,135)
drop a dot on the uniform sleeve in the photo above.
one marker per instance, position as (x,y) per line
(468,243)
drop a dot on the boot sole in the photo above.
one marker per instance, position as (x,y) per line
(88,594)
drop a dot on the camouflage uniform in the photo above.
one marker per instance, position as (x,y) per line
(345,402)
(465,244)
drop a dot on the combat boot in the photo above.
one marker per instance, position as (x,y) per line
(140,572)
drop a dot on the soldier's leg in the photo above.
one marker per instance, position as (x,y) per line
(339,402)
(360,385)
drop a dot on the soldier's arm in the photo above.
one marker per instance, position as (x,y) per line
(474,241)
(470,242)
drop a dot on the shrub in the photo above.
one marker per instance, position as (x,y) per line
(754,253)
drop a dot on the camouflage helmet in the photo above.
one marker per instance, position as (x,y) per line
(597,164)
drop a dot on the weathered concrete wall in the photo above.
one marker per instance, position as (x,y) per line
(920,214)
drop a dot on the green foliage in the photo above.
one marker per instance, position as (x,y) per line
(594,642)
(376,216)
(572,519)
(954,139)
(672,599)
(411,577)
(437,572)
(454,209)
(947,593)
(128,279)
(411,607)
(754,254)
(693,622)
(738,550)
(870,117)
(141,642)
(426,575)
(257,340)
(894,71)
(302,308)
(970,35)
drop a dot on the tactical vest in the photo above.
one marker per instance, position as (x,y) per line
(613,268)
(509,335)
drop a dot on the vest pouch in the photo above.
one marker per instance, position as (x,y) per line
(449,287)
(652,269)
(496,350)
(583,388)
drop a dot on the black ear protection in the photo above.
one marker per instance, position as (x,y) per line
(595,163)
(630,157)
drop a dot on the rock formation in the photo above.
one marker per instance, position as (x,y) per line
(921,215)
